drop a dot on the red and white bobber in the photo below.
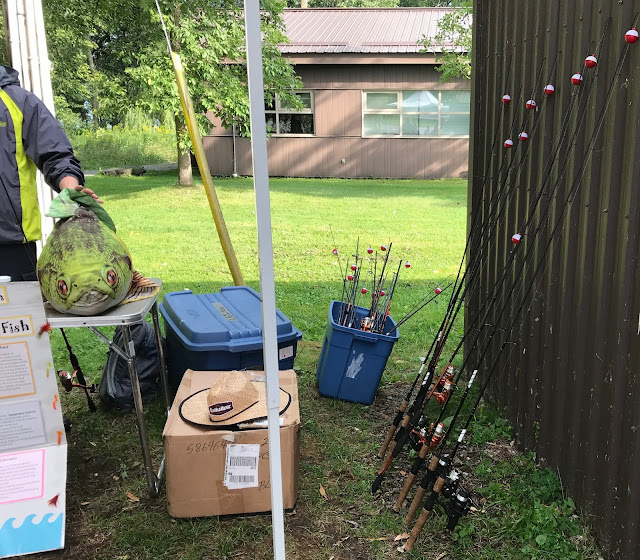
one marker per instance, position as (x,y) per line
(364,290)
(407,264)
(438,291)
(516,238)
(508,143)
(382,293)
(631,36)
(370,250)
(335,252)
(591,61)
(353,267)
(549,89)
(350,277)
(383,248)
(506,99)
(576,79)
(531,104)
(523,136)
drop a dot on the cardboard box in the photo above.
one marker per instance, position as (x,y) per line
(196,457)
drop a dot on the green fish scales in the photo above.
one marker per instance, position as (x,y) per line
(84,267)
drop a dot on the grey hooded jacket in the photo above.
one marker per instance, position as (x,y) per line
(30,137)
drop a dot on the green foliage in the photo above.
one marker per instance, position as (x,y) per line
(540,522)
(4,45)
(488,425)
(139,140)
(453,42)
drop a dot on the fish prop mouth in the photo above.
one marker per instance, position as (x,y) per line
(91,302)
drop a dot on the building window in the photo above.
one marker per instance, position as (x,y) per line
(285,120)
(431,113)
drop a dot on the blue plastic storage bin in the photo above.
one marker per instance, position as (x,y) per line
(220,331)
(352,361)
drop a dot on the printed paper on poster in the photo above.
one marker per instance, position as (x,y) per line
(21,476)
(21,425)
(16,375)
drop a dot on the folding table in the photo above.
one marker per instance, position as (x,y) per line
(126,316)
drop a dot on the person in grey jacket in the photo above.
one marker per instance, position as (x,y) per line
(30,138)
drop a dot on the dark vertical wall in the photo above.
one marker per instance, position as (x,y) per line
(338,131)
(568,371)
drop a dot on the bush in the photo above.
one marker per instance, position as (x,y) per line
(139,141)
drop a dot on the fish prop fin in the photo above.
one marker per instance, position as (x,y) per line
(68,201)
(141,288)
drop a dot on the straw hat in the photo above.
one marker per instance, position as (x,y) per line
(235,398)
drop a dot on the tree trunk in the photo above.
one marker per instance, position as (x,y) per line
(185,173)
(95,97)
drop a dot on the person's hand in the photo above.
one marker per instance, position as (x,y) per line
(72,183)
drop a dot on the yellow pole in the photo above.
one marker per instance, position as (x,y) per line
(196,140)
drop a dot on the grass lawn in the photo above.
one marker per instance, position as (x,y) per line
(522,512)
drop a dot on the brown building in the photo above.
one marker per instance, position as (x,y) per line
(374,105)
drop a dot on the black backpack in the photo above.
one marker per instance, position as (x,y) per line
(115,384)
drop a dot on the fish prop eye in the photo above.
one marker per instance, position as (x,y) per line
(111,277)
(63,288)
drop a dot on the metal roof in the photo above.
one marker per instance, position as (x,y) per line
(359,30)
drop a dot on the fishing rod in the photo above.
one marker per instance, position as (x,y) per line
(380,317)
(543,263)
(426,300)
(403,437)
(455,294)
(431,440)
(409,414)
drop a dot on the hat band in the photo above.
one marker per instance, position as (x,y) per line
(220,409)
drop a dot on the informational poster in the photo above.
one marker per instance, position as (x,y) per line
(33,447)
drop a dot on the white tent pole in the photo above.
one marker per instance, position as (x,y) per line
(265,250)
(22,44)
(29,56)
(14,38)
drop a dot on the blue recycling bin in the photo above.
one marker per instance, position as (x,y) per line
(221,331)
(352,361)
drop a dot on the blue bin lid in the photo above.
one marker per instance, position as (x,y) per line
(229,320)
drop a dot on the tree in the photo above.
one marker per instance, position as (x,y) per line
(454,40)
(107,51)
(209,36)
(4,45)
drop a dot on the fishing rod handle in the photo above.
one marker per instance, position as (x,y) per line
(415,504)
(404,492)
(411,477)
(392,429)
(399,438)
(417,529)
(426,511)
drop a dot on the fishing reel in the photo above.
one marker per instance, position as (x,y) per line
(418,438)
(68,382)
(458,506)
(451,485)
(437,437)
(442,390)
(366,323)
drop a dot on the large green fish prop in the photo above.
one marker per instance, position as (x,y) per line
(84,268)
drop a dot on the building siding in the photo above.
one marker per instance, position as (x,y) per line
(569,383)
(338,132)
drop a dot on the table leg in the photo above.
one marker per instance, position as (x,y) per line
(152,480)
(161,360)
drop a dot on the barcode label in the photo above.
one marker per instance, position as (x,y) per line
(242,478)
(241,466)
(243,461)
